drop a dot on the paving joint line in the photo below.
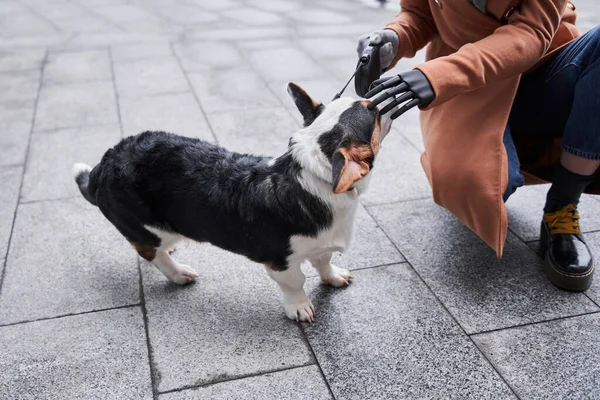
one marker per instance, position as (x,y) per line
(69,315)
(25,161)
(41,16)
(114,82)
(449,313)
(153,371)
(365,268)
(97,14)
(314,356)
(245,57)
(25,202)
(534,323)
(189,82)
(159,94)
(237,378)
(410,142)
(389,203)
(51,131)
(58,84)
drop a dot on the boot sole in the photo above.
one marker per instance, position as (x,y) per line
(577,283)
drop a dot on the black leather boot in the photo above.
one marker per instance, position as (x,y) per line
(568,260)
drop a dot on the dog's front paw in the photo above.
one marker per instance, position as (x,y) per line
(303,311)
(338,277)
(184,275)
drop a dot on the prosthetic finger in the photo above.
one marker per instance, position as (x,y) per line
(406,107)
(397,101)
(403,87)
(381,84)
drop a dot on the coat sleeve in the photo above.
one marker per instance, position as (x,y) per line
(415,28)
(510,51)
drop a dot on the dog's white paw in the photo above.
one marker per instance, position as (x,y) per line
(338,277)
(184,275)
(303,311)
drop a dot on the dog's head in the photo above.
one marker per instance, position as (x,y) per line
(345,131)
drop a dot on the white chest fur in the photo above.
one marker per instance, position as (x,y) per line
(335,238)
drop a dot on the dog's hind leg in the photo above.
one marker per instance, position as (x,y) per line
(295,303)
(329,273)
(178,273)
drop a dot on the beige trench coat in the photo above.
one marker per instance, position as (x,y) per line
(474,62)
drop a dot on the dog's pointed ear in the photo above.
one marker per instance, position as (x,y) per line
(309,108)
(350,164)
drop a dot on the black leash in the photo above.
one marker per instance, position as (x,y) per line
(363,60)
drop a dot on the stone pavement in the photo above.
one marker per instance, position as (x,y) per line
(432,312)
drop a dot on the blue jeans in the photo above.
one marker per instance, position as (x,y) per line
(561,99)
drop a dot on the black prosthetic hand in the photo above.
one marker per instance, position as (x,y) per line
(411,87)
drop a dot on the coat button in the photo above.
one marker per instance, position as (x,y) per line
(438,2)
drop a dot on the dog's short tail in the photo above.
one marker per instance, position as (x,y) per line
(81,172)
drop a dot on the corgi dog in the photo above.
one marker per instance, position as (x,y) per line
(157,188)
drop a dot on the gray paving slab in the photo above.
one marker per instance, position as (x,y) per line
(77,104)
(525,209)
(26,23)
(241,34)
(553,360)
(228,324)
(86,24)
(176,113)
(159,29)
(320,16)
(203,55)
(294,384)
(397,173)
(327,48)
(409,127)
(59,10)
(322,90)
(149,77)
(342,69)
(100,355)
(286,64)
(187,14)
(263,132)
(279,6)
(123,13)
(78,66)
(480,290)
(9,195)
(18,124)
(386,337)
(352,30)
(52,155)
(19,89)
(74,260)
(370,247)
(587,15)
(216,6)
(229,90)
(257,44)
(12,59)
(127,52)
(252,16)
(7,8)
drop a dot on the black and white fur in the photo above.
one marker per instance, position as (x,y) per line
(157,188)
